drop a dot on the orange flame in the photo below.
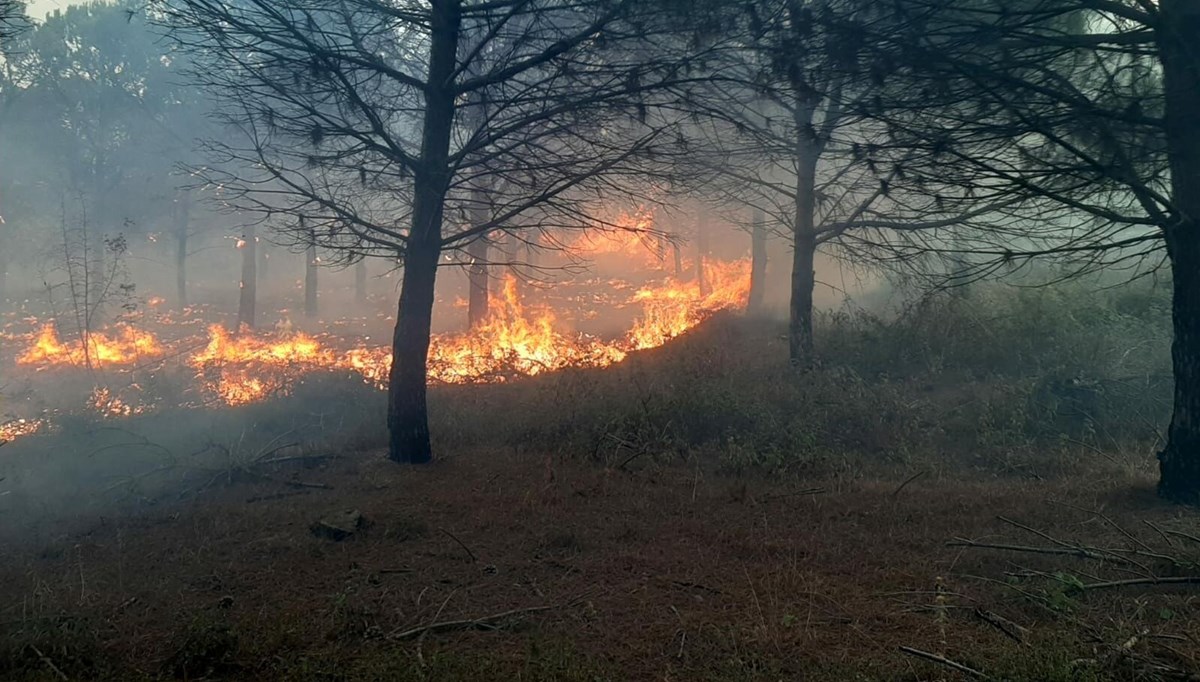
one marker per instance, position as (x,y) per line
(516,339)
(632,235)
(129,346)
(513,341)
(674,307)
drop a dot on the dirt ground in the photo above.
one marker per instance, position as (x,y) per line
(661,573)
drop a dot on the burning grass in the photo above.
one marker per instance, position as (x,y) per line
(518,339)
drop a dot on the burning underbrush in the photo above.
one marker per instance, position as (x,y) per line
(163,361)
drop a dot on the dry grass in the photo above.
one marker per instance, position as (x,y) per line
(667,573)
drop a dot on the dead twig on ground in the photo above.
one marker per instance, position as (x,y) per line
(941,660)
(798,493)
(492,622)
(1169,580)
(1004,625)
(910,479)
(1081,552)
(466,549)
(49,663)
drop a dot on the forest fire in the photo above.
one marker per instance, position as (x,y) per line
(519,338)
(514,341)
(127,346)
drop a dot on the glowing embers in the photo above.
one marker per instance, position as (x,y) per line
(18,428)
(125,346)
(124,402)
(514,341)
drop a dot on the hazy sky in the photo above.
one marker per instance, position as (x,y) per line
(38,9)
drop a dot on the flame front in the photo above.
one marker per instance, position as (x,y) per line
(517,339)
(128,347)
(514,341)
(674,307)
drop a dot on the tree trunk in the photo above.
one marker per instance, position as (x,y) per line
(678,258)
(1179,461)
(249,281)
(97,279)
(477,271)
(183,206)
(3,273)
(310,281)
(804,246)
(264,264)
(360,280)
(701,253)
(758,262)
(408,410)
(477,278)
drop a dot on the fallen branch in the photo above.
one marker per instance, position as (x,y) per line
(1004,625)
(908,480)
(941,660)
(466,549)
(294,484)
(49,663)
(1068,551)
(798,493)
(493,622)
(1170,580)
(295,458)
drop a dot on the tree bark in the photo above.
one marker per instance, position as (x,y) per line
(1179,461)
(249,282)
(804,246)
(701,253)
(678,258)
(360,280)
(477,278)
(183,209)
(408,410)
(310,281)
(758,261)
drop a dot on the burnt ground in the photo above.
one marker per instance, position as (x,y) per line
(664,572)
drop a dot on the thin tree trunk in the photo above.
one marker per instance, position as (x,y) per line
(264,263)
(310,281)
(3,273)
(701,253)
(477,278)
(360,280)
(182,219)
(96,271)
(408,409)
(477,271)
(249,282)
(1179,461)
(758,261)
(804,246)
(678,258)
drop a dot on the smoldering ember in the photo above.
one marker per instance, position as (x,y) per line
(600,340)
